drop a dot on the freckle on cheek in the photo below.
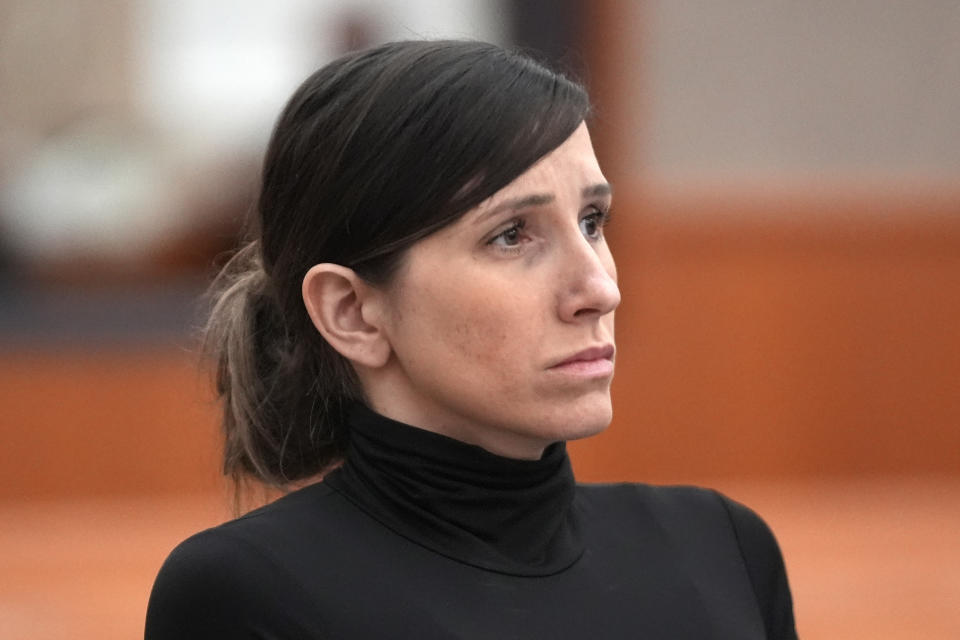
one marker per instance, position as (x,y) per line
(469,339)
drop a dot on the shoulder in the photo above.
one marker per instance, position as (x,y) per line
(691,520)
(227,580)
(687,503)
(207,588)
(707,526)
(660,502)
(765,566)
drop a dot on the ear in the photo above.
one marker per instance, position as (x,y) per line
(347,312)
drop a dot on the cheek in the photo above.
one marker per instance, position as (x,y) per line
(473,328)
(481,332)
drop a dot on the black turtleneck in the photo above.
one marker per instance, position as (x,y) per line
(495,513)
(418,535)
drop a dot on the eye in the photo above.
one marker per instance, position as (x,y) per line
(512,236)
(591,225)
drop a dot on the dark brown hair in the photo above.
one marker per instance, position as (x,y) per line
(373,152)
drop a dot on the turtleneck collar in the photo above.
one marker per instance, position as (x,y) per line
(459,500)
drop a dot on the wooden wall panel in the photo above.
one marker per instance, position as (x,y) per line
(80,422)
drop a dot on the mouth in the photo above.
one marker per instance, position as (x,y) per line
(593,362)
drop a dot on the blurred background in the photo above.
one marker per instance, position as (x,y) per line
(786,225)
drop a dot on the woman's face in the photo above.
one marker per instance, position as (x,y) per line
(501,324)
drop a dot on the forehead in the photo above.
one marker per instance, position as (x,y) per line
(572,165)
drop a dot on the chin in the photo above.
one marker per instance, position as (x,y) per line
(587,430)
(585,420)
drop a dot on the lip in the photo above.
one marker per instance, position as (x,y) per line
(595,361)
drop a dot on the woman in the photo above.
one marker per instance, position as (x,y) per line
(424,317)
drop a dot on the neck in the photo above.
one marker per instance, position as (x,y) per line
(464,502)
(394,401)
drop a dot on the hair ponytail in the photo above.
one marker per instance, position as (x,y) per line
(282,406)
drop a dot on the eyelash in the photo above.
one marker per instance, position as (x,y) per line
(516,225)
(600,215)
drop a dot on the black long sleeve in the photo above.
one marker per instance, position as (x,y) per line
(764,562)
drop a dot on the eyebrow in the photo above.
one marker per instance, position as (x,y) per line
(540,199)
(599,189)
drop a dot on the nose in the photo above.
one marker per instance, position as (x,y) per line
(589,283)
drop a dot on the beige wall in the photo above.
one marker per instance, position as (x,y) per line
(750,89)
(58,62)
